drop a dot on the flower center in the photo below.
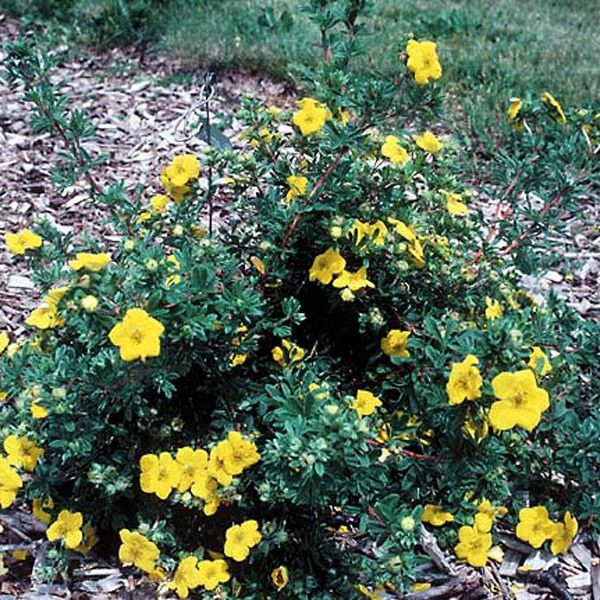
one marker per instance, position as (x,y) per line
(519,399)
(137,335)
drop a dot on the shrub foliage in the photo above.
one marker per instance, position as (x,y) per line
(276,404)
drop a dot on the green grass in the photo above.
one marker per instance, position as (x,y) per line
(490,49)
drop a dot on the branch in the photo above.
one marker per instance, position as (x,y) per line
(320,182)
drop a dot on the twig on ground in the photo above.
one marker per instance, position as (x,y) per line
(546,579)
(462,584)
(432,549)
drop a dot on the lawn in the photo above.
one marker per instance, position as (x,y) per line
(491,49)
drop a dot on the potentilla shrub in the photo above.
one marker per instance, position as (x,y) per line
(277,407)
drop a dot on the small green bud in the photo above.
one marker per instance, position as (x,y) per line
(60,393)
(128,245)
(177,231)
(89,303)
(407,524)
(335,232)
(151,264)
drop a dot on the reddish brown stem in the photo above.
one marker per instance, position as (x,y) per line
(316,188)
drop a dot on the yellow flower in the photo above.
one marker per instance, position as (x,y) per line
(4,341)
(420,586)
(423,61)
(216,467)
(38,506)
(137,550)
(160,474)
(137,335)
(144,216)
(428,142)
(320,391)
(537,358)
(90,538)
(395,343)
(521,402)
(89,303)
(10,483)
(365,403)
(287,354)
(213,572)
(159,203)
(465,381)
(67,527)
(194,465)
(514,108)
(186,577)
(535,526)
(403,229)
(456,206)
(298,185)
(549,99)
(392,150)
(563,534)
(38,411)
(235,360)
(493,309)
(475,543)
(20,242)
(47,316)
(240,538)
(44,317)
(205,487)
(89,261)
(365,591)
(22,452)
(280,577)
(353,281)
(326,265)
(311,117)
(434,515)
(237,453)
(181,170)
(485,507)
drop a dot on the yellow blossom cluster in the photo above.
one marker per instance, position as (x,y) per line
(329,267)
(535,527)
(520,401)
(197,471)
(192,573)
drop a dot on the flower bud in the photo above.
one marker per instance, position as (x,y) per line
(335,232)
(89,303)
(151,264)
(60,393)
(407,524)
(177,231)
(128,245)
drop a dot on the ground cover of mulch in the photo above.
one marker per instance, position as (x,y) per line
(139,104)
